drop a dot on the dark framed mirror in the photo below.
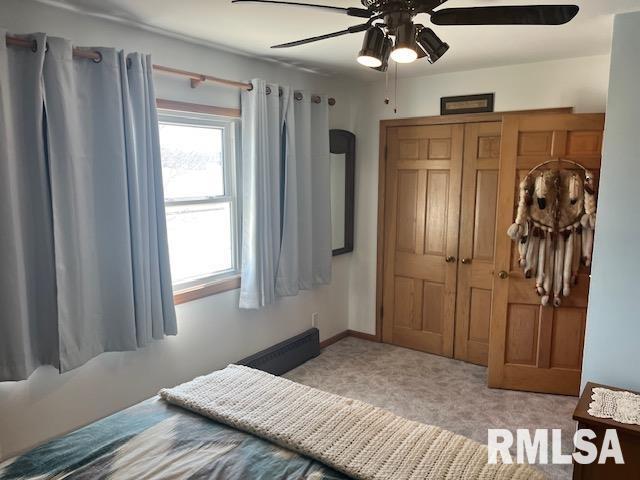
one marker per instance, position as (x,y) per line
(343,176)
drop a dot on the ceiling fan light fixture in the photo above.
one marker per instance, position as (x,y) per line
(393,19)
(372,51)
(432,45)
(405,50)
(386,53)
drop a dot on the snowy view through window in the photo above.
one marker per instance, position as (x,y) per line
(199,225)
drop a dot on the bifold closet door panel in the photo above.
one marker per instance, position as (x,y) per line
(422,208)
(533,347)
(477,238)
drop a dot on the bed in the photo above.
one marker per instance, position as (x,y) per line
(246,423)
(154,439)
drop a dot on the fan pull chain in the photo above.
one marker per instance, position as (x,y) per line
(395,99)
(386,87)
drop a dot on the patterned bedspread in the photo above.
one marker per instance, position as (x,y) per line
(156,440)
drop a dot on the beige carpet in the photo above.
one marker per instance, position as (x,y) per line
(435,390)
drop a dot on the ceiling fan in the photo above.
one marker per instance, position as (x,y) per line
(411,41)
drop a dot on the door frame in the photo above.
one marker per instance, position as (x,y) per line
(382,169)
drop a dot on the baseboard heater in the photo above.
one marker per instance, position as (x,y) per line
(286,355)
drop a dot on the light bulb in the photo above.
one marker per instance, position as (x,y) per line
(404,55)
(369,61)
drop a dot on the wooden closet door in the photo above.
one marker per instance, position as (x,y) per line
(477,238)
(421,242)
(532,347)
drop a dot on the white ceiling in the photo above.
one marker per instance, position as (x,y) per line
(252,28)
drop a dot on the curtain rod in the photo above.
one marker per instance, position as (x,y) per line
(196,78)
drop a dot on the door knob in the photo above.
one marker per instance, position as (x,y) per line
(450,259)
(466,261)
(502,274)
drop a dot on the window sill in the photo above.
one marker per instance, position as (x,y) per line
(205,290)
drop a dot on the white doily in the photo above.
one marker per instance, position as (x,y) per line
(623,407)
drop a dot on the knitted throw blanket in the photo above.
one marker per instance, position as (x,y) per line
(358,439)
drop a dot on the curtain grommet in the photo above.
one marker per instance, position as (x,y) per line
(34,45)
(268,90)
(46,47)
(97,59)
(250,87)
(298,96)
(129,62)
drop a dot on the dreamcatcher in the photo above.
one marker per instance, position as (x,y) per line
(554,227)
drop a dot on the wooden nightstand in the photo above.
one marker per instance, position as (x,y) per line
(629,436)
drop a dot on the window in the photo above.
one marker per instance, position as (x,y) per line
(200,191)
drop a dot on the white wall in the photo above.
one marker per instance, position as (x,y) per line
(612,344)
(580,83)
(212,331)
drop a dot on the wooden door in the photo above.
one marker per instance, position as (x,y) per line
(477,238)
(537,348)
(421,239)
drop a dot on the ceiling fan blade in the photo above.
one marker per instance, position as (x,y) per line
(354,29)
(351,11)
(427,6)
(508,15)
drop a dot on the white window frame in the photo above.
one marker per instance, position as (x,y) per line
(229,128)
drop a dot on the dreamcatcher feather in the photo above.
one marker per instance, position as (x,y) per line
(554,226)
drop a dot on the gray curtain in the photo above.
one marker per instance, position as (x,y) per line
(321,193)
(103,196)
(263,118)
(286,233)
(305,257)
(155,314)
(28,311)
